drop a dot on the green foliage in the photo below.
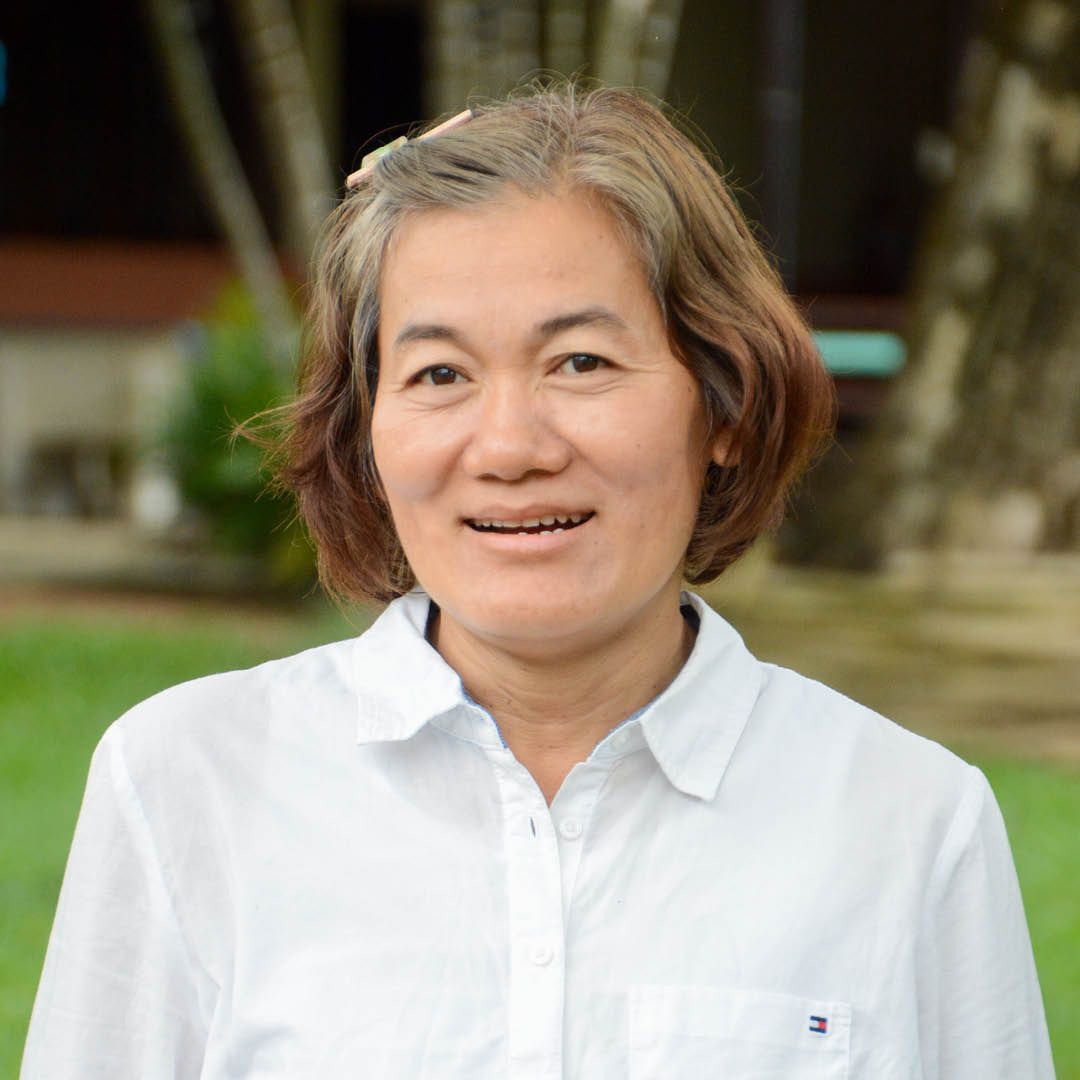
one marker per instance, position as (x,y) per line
(225,478)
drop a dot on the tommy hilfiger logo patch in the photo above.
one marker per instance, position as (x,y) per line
(819,1025)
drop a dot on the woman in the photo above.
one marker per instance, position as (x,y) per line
(547,817)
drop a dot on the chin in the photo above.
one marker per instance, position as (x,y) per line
(546,619)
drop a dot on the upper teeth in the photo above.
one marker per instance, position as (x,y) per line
(530,523)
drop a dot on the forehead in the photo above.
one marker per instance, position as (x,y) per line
(516,254)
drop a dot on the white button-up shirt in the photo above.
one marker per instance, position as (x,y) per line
(331,866)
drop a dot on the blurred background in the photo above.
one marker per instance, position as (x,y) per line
(915,170)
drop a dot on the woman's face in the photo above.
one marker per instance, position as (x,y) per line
(541,448)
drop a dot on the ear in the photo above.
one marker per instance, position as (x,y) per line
(721,452)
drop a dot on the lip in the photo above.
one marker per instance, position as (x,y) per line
(528,545)
(527,513)
(535,523)
(548,540)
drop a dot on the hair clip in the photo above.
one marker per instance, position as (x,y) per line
(369,161)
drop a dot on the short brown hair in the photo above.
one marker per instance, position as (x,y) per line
(729,319)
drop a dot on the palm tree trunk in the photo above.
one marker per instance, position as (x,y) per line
(564,36)
(218,168)
(518,37)
(453,44)
(285,101)
(660,34)
(622,28)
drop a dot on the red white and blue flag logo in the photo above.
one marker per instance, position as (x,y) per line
(819,1024)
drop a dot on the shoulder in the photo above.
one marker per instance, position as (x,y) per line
(824,719)
(239,696)
(842,753)
(271,719)
(237,714)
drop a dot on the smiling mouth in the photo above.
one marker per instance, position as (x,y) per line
(530,526)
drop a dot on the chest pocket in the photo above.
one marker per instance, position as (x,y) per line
(701,1032)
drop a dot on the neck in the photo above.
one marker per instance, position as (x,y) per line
(554,706)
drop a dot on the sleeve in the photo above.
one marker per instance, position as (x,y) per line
(120,992)
(981,1010)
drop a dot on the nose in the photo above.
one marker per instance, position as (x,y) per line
(514,436)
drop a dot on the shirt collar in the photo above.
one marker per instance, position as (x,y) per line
(402,682)
(691,728)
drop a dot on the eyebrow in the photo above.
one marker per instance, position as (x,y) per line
(590,316)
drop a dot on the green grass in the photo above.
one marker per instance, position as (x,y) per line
(1041,807)
(62,682)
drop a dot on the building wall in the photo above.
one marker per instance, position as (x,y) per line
(79,409)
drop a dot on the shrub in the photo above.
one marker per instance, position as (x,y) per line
(224,479)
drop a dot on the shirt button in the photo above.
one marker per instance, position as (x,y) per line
(542,955)
(620,739)
(570,829)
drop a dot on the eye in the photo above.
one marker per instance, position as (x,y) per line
(582,363)
(437,375)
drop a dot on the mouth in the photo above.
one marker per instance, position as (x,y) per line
(538,526)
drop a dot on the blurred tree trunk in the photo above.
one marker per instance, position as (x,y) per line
(285,102)
(656,49)
(622,27)
(565,26)
(218,167)
(518,40)
(979,444)
(453,54)
(637,43)
(322,37)
(480,47)
(488,46)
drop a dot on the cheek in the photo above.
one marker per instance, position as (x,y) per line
(408,461)
(658,454)
(405,478)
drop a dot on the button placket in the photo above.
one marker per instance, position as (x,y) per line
(572,808)
(570,828)
(534,900)
(542,955)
